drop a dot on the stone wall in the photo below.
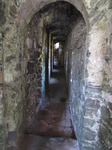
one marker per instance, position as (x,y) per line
(75,51)
(105,133)
(14,20)
(99,74)
(32,66)
(12,96)
(90,85)
(2,129)
(93,98)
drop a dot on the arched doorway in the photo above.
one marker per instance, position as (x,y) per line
(14,34)
(56,22)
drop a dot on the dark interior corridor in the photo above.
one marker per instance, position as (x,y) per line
(51,127)
(55,97)
(52,78)
(48,78)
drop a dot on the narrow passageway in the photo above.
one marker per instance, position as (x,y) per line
(49,118)
(53,105)
(51,127)
(57,85)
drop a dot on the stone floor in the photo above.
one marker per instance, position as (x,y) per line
(51,127)
(33,142)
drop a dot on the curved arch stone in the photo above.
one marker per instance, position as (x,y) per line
(29,8)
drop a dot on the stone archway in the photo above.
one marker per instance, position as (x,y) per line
(97,93)
(34,6)
(39,34)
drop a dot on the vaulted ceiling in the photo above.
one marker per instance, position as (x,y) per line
(59,19)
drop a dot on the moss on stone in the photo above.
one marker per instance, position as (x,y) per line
(102,23)
(25,30)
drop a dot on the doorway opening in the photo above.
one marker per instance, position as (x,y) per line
(55,57)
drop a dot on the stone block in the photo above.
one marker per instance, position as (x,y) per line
(110,138)
(13,11)
(88,148)
(110,4)
(88,134)
(103,132)
(100,3)
(12,136)
(2,20)
(92,103)
(1,78)
(18,67)
(110,105)
(89,122)
(90,113)
(9,58)
(30,68)
(87,145)
(2,14)
(105,113)
(99,16)
(2,137)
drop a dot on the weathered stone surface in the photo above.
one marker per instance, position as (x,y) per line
(105,113)
(104,132)
(2,138)
(110,105)
(110,4)
(89,134)
(2,19)
(91,113)
(2,13)
(12,136)
(96,68)
(9,58)
(88,122)
(30,68)
(1,80)
(74,73)
(92,103)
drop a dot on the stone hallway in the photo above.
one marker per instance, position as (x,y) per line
(51,127)
(36,109)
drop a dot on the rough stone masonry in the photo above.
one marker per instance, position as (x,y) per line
(26,28)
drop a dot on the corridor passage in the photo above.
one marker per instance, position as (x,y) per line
(51,127)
